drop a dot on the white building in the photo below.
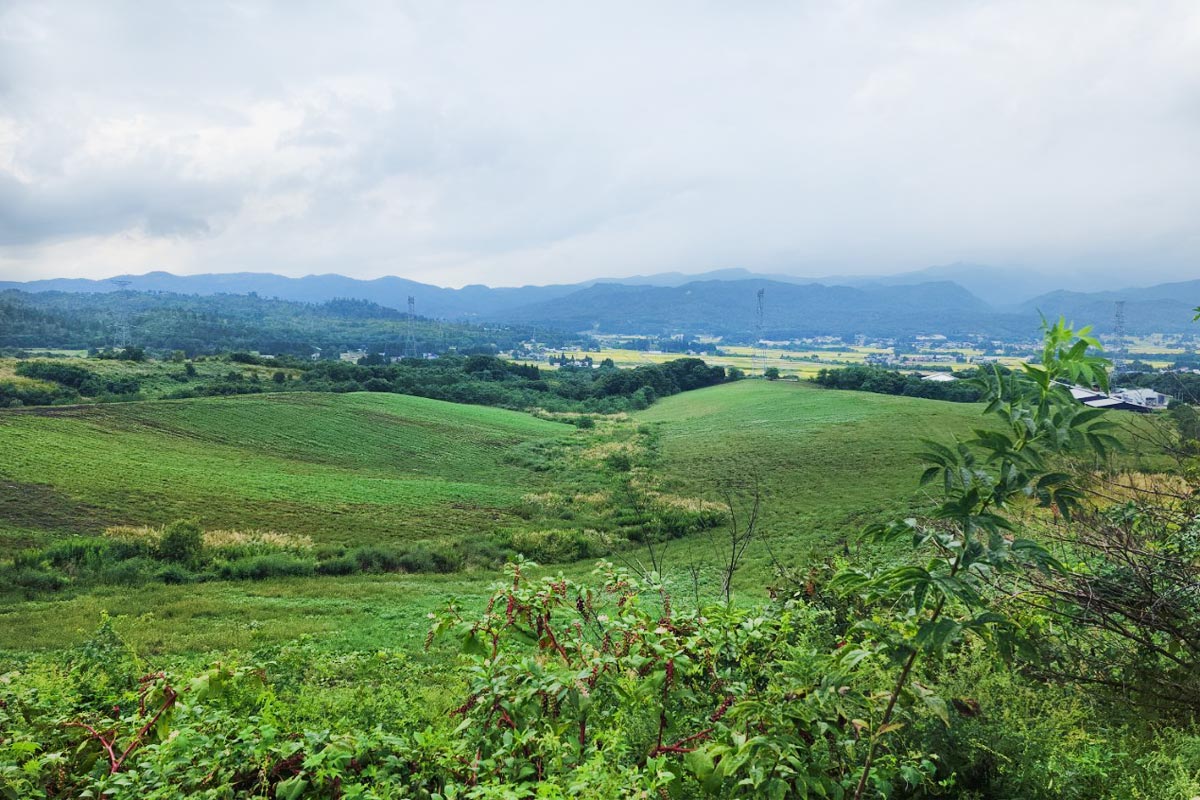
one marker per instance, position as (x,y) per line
(1144,397)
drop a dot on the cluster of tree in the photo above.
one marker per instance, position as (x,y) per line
(884,381)
(71,384)
(482,380)
(221,323)
(1182,386)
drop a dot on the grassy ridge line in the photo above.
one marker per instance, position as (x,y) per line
(341,468)
(829,461)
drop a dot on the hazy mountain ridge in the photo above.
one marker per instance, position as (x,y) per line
(720,301)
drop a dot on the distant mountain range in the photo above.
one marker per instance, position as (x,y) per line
(954,300)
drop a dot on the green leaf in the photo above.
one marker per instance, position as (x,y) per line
(291,789)
(699,763)
(937,705)
(472,645)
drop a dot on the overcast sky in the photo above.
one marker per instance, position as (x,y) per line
(521,142)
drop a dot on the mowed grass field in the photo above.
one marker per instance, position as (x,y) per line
(353,468)
(828,461)
(367,467)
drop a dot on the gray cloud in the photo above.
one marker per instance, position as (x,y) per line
(547,141)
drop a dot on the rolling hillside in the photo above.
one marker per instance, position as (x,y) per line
(359,468)
(829,460)
(363,468)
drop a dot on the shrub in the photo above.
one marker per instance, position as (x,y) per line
(35,580)
(341,565)
(376,559)
(182,542)
(275,565)
(130,572)
(175,574)
(619,462)
(424,559)
(557,544)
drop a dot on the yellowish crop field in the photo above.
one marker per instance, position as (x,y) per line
(789,362)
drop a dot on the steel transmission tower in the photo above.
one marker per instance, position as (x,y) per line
(120,320)
(759,356)
(1118,332)
(410,340)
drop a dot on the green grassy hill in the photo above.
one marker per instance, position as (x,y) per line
(829,461)
(363,468)
(354,468)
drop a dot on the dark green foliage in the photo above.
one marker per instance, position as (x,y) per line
(65,374)
(1183,386)
(127,353)
(182,542)
(74,379)
(161,321)
(272,565)
(883,381)
(13,395)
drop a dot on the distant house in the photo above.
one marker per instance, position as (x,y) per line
(939,377)
(1115,402)
(1145,397)
(1085,395)
(352,356)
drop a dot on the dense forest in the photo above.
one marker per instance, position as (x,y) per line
(209,324)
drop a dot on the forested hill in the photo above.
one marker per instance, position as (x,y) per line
(469,302)
(729,308)
(219,323)
(1165,308)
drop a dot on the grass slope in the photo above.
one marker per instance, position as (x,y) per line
(829,461)
(353,467)
(340,468)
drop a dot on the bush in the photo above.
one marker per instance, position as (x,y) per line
(422,559)
(130,572)
(619,462)
(175,574)
(275,565)
(182,542)
(376,559)
(341,565)
(556,545)
(35,580)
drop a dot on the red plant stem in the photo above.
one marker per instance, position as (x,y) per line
(115,762)
(554,640)
(680,745)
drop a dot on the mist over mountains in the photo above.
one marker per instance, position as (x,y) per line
(954,300)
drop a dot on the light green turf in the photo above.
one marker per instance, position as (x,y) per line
(829,461)
(365,466)
(341,468)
